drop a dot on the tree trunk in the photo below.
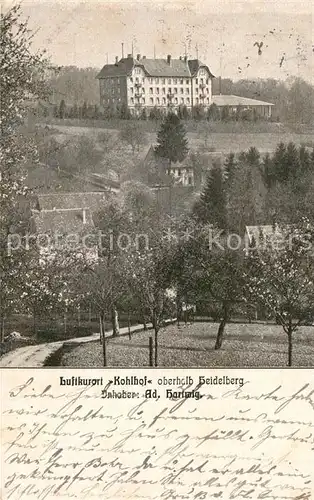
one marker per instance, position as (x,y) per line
(79,316)
(156,346)
(2,327)
(151,349)
(221,329)
(100,329)
(90,314)
(34,324)
(144,324)
(179,312)
(192,317)
(156,329)
(104,343)
(115,322)
(129,325)
(290,346)
(65,322)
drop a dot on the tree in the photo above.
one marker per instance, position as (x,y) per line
(280,171)
(204,134)
(101,284)
(230,169)
(172,143)
(112,220)
(84,110)
(280,277)
(225,113)
(139,203)
(155,114)
(143,115)
(292,162)
(212,207)
(132,134)
(267,171)
(211,275)
(149,275)
(300,98)
(124,112)
(213,113)
(246,194)
(21,80)
(198,112)
(87,154)
(62,109)
(185,114)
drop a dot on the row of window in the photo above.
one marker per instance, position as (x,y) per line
(115,90)
(170,81)
(169,91)
(163,90)
(164,101)
(156,101)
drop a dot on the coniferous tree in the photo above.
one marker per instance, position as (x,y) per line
(84,110)
(155,114)
(172,143)
(267,171)
(198,112)
(185,113)
(75,111)
(279,163)
(62,109)
(292,162)
(225,114)
(125,113)
(305,159)
(212,206)
(246,193)
(312,160)
(143,115)
(213,112)
(230,167)
(253,157)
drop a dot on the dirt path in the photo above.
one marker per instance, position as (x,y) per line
(34,356)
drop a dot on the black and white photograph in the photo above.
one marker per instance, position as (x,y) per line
(157,184)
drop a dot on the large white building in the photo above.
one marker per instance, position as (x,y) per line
(147,83)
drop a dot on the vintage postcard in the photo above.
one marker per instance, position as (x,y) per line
(157,249)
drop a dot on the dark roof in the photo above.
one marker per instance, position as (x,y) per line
(195,65)
(91,200)
(124,67)
(62,222)
(154,67)
(160,67)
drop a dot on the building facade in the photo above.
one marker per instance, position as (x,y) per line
(140,83)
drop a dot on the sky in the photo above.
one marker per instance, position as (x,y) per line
(223,33)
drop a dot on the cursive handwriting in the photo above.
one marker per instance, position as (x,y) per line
(253,442)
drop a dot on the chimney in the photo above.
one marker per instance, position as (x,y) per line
(180,58)
(144,57)
(129,56)
(185,58)
(84,216)
(138,57)
(169,59)
(116,63)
